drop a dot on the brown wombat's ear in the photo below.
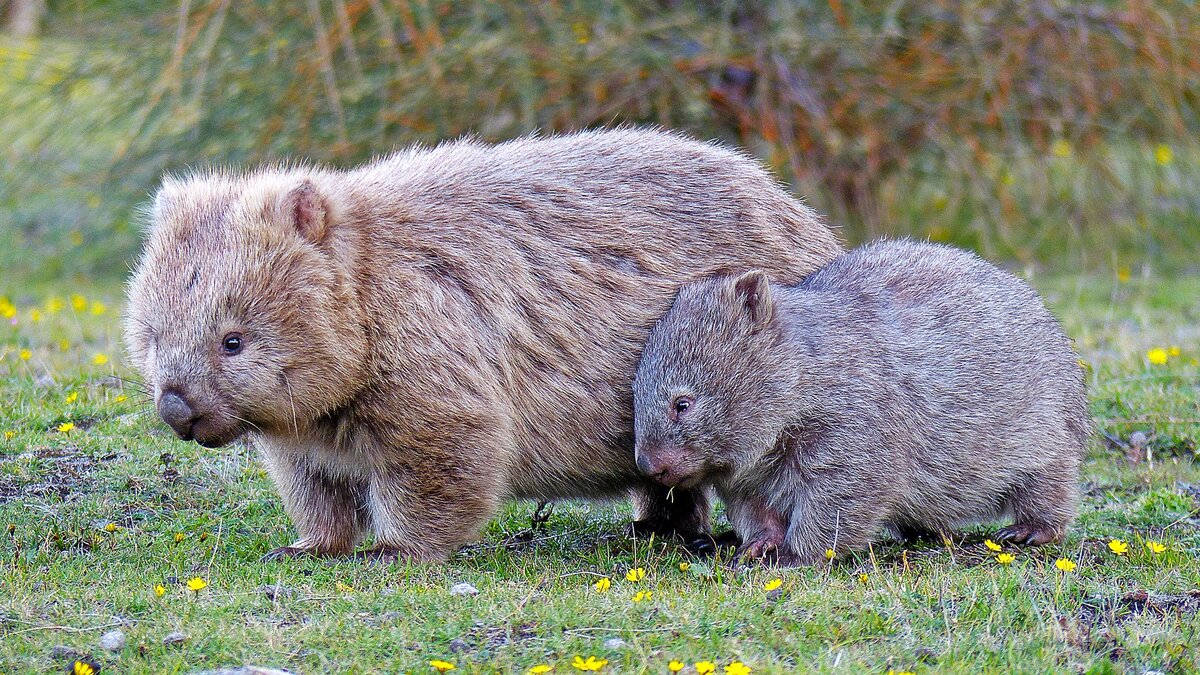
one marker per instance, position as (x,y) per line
(303,207)
(754,294)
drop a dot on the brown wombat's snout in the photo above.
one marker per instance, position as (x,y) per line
(178,414)
(192,422)
(666,465)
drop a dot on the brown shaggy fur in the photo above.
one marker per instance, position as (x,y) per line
(909,386)
(413,341)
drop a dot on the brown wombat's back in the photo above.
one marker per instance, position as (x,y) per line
(546,261)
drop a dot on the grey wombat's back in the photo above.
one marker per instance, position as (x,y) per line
(965,366)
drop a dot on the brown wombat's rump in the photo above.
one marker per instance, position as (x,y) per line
(906,386)
(413,341)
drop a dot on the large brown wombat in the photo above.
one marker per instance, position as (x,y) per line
(905,385)
(415,340)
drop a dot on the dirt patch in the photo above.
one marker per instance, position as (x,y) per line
(66,469)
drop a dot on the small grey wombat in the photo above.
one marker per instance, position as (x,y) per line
(905,385)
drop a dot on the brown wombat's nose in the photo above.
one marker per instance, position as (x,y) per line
(176,412)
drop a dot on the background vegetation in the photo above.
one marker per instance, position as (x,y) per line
(1058,138)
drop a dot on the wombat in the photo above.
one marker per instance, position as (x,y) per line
(907,386)
(415,340)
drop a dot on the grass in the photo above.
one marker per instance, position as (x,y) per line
(99,515)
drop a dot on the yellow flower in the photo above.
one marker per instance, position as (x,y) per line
(25,355)
(899,672)
(705,667)
(196,584)
(737,668)
(7,309)
(772,584)
(829,554)
(539,669)
(1005,558)
(441,666)
(100,359)
(992,546)
(64,345)
(55,305)
(119,399)
(1061,148)
(178,537)
(98,308)
(111,527)
(862,578)
(78,302)
(1124,274)
(684,566)
(66,427)
(83,668)
(343,588)
(1117,546)
(602,585)
(35,316)
(71,397)
(8,434)
(1163,154)
(1155,547)
(1174,350)
(642,595)
(675,666)
(592,663)
(636,574)
(1065,565)
(159,590)
(1157,356)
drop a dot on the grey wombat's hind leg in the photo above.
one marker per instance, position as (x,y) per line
(1042,506)
(666,512)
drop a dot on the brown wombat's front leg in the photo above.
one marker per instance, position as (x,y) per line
(424,509)
(670,512)
(327,510)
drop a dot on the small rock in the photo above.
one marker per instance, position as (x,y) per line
(615,643)
(63,652)
(174,639)
(113,641)
(275,592)
(463,589)
(458,646)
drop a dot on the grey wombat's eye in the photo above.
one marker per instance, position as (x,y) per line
(232,344)
(681,405)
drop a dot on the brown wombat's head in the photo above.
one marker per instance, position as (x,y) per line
(240,317)
(704,398)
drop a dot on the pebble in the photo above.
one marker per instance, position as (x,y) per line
(113,641)
(173,639)
(615,643)
(463,589)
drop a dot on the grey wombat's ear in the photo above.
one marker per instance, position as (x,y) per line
(753,292)
(304,208)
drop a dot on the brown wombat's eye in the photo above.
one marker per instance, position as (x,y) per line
(232,343)
(681,405)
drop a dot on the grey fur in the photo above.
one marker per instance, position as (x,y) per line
(905,385)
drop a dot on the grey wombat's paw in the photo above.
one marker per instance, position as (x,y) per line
(285,552)
(708,544)
(1031,534)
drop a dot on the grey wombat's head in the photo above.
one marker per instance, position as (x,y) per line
(704,393)
(239,319)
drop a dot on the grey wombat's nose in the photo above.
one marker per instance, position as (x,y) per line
(648,466)
(176,412)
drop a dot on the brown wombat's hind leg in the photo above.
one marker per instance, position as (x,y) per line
(1042,509)
(670,512)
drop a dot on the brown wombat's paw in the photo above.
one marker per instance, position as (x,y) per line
(1031,534)
(709,544)
(285,552)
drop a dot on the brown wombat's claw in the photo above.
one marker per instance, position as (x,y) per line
(285,552)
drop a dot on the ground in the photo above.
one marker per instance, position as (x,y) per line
(109,517)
